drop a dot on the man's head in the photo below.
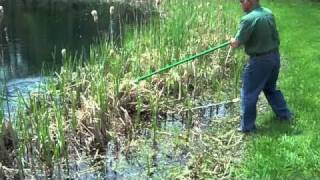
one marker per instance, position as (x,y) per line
(247,5)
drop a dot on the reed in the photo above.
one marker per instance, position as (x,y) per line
(91,101)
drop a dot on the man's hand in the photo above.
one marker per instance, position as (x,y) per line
(234,43)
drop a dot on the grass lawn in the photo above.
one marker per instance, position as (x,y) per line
(283,151)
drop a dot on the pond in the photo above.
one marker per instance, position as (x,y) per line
(33,34)
(32,37)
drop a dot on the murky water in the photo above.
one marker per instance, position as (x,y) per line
(155,158)
(33,33)
(147,157)
(32,37)
(19,89)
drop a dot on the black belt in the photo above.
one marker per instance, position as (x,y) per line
(264,53)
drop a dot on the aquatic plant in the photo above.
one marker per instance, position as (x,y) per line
(90,102)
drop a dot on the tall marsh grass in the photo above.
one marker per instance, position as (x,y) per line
(89,102)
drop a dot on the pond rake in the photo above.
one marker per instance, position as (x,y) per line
(185,60)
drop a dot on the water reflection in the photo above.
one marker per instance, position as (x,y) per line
(18,88)
(30,34)
(32,31)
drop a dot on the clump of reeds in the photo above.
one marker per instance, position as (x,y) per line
(88,103)
(7,144)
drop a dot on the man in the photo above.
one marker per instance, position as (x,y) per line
(259,35)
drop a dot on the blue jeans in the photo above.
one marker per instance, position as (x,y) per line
(261,74)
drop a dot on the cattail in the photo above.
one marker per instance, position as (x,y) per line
(111,10)
(1,11)
(94,13)
(158,2)
(1,14)
(112,52)
(63,52)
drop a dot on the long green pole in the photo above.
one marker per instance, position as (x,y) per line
(181,62)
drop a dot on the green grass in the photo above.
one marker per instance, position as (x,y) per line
(282,151)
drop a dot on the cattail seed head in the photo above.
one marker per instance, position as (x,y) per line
(63,52)
(111,10)
(158,2)
(94,13)
(1,11)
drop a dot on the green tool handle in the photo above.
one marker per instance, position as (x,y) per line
(181,62)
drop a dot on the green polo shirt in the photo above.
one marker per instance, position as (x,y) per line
(258,31)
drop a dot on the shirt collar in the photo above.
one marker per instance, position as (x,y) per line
(255,7)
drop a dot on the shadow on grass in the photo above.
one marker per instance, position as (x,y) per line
(270,125)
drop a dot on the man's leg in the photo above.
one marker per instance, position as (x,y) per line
(248,111)
(255,75)
(274,96)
